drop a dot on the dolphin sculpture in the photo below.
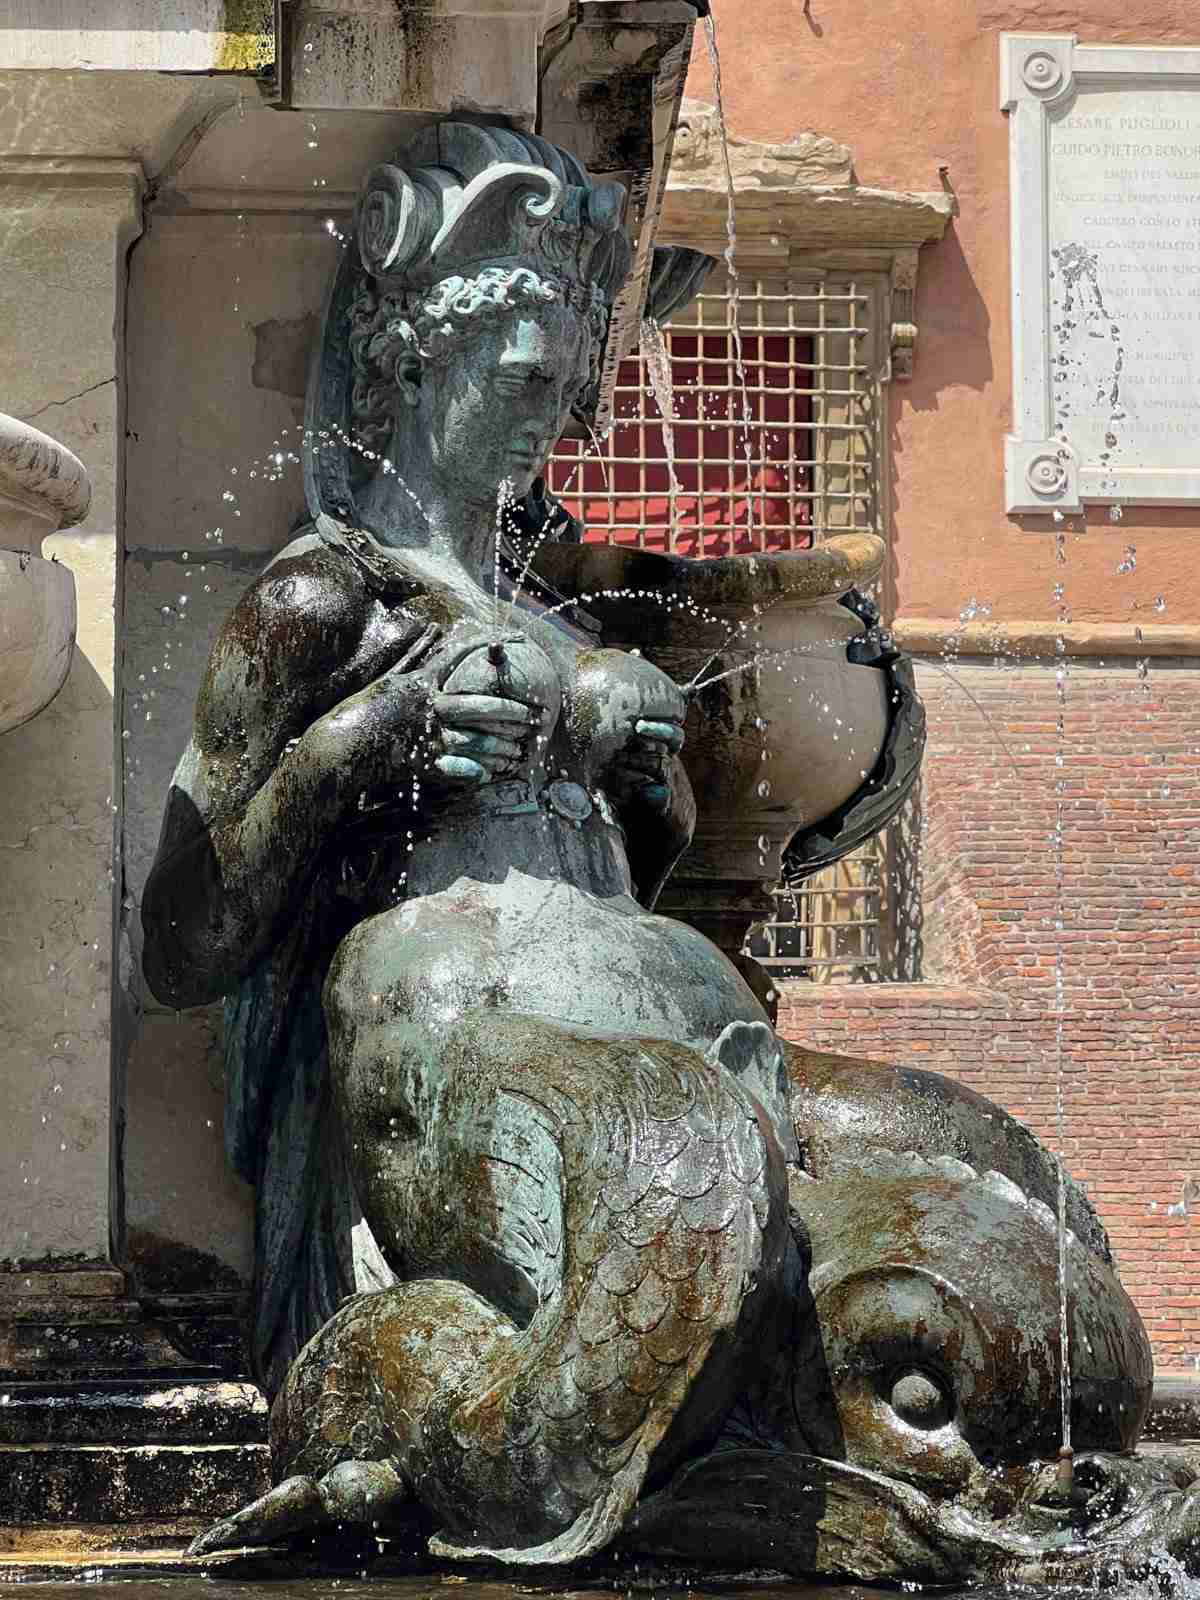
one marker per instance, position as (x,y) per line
(842,1359)
(911,1427)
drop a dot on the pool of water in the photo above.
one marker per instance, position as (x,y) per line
(453,1587)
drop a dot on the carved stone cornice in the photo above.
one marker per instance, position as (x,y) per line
(433,56)
(802,192)
(797,204)
(1039,639)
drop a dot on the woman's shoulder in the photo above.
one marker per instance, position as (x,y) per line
(311,610)
(304,593)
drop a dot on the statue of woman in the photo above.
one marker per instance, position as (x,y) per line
(416,839)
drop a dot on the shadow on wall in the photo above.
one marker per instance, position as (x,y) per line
(954,342)
(953,350)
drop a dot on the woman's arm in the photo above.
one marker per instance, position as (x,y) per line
(658,819)
(308,700)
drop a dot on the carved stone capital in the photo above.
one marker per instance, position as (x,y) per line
(1036,66)
(43,487)
(1040,475)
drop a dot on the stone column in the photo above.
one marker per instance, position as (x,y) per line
(67,224)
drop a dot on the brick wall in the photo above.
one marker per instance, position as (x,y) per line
(1128,951)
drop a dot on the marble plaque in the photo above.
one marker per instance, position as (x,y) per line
(1105,153)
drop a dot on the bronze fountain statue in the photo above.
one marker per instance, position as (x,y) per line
(560,1250)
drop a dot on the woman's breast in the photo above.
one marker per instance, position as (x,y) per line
(539,946)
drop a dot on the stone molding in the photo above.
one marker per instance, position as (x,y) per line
(133,36)
(1040,73)
(935,636)
(796,205)
(797,994)
(335,203)
(119,173)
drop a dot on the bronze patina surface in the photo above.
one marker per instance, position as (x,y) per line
(561,1253)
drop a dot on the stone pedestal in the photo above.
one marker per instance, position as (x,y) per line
(68,222)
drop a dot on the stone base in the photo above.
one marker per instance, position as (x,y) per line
(88,1553)
(124,1425)
(132,1455)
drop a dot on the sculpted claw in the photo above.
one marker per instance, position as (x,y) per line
(221,1536)
(294,1506)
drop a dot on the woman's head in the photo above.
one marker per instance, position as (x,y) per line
(468,319)
(524,345)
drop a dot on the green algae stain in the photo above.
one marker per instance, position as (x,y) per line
(246,40)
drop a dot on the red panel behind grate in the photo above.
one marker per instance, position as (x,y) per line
(725,506)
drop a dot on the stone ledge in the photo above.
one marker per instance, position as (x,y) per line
(802,995)
(132,1412)
(109,1339)
(98,1483)
(1174,1408)
(936,636)
(65,1547)
(802,189)
(83,1283)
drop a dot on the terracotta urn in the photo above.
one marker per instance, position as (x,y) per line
(43,487)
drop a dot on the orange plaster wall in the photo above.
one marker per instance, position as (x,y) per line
(911,88)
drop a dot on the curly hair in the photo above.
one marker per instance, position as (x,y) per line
(432,323)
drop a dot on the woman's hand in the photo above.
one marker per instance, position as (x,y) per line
(481,736)
(641,771)
(457,721)
(491,703)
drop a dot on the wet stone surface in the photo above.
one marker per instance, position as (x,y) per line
(433,1586)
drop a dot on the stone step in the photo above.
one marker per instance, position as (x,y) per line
(132,1411)
(83,1542)
(116,1339)
(122,1483)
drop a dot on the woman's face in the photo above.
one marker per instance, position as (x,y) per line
(496,406)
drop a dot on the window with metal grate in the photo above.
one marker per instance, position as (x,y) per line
(827,927)
(713,473)
(700,470)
